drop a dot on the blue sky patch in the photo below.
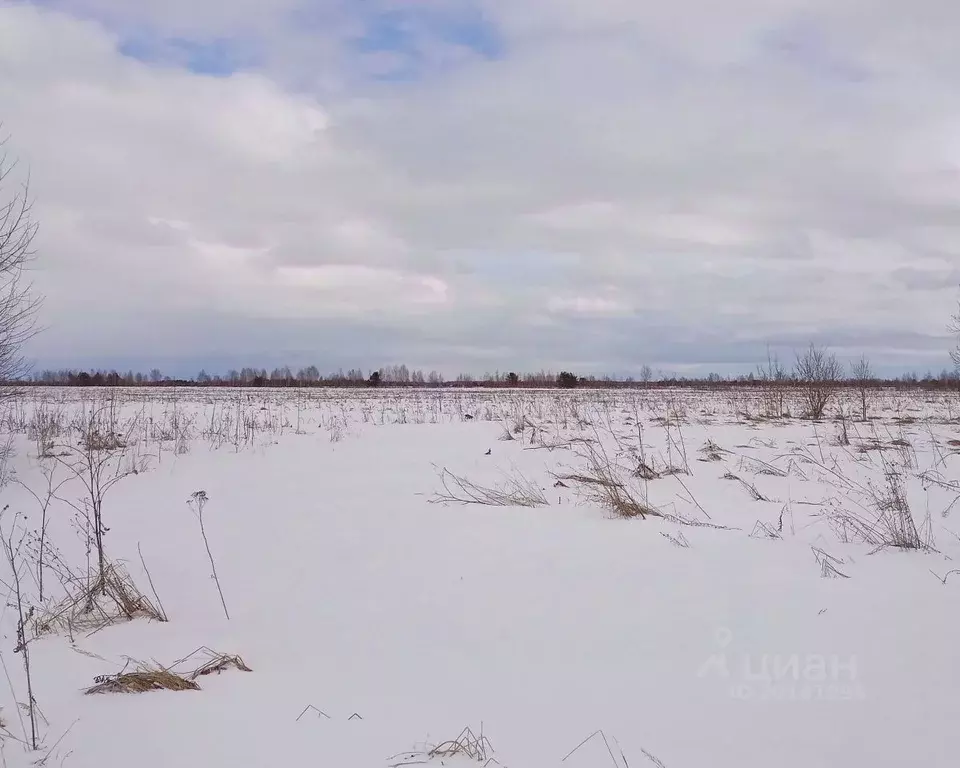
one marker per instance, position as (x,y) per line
(219,57)
(414,38)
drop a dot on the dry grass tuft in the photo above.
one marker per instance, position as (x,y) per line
(748,487)
(95,440)
(710,451)
(583,480)
(214,663)
(219,664)
(828,564)
(467,745)
(145,678)
(678,541)
(894,524)
(514,491)
(603,483)
(94,602)
(672,471)
(872,444)
(758,467)
(154,677)
(764,531)
(877,513)
(645,472)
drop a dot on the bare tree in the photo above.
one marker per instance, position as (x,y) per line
(646,374)
(861,373)
(818,372)
(18,304)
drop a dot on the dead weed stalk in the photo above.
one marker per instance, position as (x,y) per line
(515,491)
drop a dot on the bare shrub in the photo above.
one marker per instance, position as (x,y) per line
(103,455)
(818,372)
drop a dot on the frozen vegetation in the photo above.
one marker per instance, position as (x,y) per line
(372,578)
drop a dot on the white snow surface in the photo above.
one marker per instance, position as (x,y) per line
(380,622)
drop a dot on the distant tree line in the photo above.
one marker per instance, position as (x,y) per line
(822,367)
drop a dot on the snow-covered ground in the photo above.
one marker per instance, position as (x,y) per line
(750,616)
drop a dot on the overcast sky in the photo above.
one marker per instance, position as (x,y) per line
(479,184)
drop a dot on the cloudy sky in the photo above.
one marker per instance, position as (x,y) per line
(479,184)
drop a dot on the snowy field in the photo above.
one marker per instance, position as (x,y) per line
(526,579)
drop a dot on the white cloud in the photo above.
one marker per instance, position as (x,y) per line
(588,305)
(760,170)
